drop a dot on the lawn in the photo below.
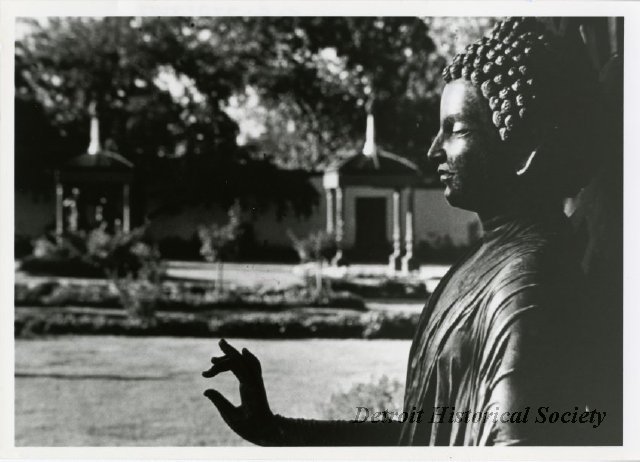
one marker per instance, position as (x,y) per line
(139,391)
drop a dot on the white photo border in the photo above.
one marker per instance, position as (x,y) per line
(12,9)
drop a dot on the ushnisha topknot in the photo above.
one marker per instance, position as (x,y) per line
(518,69)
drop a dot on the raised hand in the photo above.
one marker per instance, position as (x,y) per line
(253,419)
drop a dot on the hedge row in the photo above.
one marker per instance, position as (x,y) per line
(176,296)
(29,323)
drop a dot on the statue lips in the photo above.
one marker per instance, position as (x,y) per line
(444,174)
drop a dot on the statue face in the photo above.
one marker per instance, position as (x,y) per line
(468,150)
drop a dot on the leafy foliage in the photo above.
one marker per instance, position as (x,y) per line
(218,240)
(316,247)
(162,86)
(384,394)
(452,34)
(133,266)
(204,106)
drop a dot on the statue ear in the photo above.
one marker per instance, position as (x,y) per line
(525,166)
(539,155)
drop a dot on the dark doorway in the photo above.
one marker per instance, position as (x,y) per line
(371,230)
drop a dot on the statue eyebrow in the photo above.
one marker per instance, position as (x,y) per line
(450,119)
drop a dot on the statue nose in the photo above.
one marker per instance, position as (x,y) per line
(436,153)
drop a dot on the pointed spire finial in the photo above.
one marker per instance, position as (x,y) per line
(94,144)
(369,148)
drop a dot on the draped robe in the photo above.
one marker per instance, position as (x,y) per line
(505,329)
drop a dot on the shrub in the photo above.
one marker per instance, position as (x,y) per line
(391,325)
(380,395)
(382,287)
(173,295)
(218,242)
(128,260)
(318,247)
(95,253)
(248,324)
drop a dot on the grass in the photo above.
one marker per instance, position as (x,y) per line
(147,391)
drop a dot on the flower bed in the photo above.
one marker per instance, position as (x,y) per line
(177,296)
(287,324)
(382,287)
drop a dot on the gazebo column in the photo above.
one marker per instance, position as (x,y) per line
(126,209)
(409,262)
(59,208)
(339,259)
(331,214)
(395,260)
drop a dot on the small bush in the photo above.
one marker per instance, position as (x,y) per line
(383,394)
(277,325)
(95,253)
(128,260)
(174,295)
(382,287)
(316,247)
(391,325)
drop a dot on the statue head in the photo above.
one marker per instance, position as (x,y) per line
(514,112)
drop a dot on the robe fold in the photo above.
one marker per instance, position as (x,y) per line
(504,331)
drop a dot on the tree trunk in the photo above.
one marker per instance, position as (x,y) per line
(220,277)
(319,278)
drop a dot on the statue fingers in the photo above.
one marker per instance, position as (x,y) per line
(230,413)
(239,363)
(220,365)
(252,361)
(229,350)
(217,359)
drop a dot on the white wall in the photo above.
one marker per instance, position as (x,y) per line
(434,217)
(268,228)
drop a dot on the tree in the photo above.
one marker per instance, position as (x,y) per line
(173,93)
(218,241)
(323,72)
(131,69)
(318,247)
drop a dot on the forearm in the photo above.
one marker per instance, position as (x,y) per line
(303,432)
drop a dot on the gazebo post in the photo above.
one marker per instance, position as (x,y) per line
(59,209)
(126,209)
(339,259)
(331,225)
(395,257)
(409,262)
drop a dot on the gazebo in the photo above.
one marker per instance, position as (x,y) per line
(92,187)
(371,174)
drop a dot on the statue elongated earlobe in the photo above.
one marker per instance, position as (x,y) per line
(527,164)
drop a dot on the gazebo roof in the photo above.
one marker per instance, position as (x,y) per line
(382,170)
(97,164)
(374,167)
(383,163)
(101,161)
(101,167)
